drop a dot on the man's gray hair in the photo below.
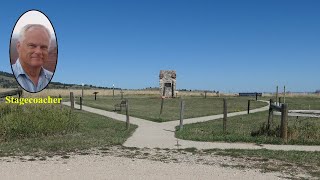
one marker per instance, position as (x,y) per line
(29,26)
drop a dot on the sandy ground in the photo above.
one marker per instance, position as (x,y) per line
(110,167)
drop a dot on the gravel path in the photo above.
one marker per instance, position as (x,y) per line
(110,167)
(161,135)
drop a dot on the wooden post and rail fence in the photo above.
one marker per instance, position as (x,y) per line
(11,93)
(283,108)
(225,115)
(72,102)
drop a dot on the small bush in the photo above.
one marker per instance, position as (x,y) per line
(300,131)
(273,131)
(18,122)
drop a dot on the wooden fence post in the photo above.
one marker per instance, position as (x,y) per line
(284,122)
(127,115)
(256,97)
(248,106)
(172,89)
(270,117)
(113,91)
(181,114)
(72,100)
(80,103)
(161,107)
(284,94)
(121,94)
(60,102)
(20,93)
(164,91)
(82,90)
(277,96)
(225,112)
(205,94)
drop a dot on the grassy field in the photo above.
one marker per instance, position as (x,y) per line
(109,92)
(18,122)
(249,128)
(91,131)
(301,102)
(148,106)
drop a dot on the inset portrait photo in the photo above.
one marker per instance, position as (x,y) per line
(33,51)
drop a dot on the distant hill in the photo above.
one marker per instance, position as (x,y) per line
(7,80)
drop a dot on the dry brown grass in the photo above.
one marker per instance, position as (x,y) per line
(108,92)
(5,89)
(292,94)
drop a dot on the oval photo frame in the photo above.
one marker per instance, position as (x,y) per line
(33,51)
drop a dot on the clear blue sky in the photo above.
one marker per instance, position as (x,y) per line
(231,46)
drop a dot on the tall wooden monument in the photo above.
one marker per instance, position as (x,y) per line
(168,83)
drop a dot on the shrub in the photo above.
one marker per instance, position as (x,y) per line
(304,130)
(263,130)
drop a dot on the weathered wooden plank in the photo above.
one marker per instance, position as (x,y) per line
(11,93)
(275,107)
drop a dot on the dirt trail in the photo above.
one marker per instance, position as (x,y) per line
(110,167)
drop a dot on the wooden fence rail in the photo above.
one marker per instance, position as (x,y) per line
(11,93)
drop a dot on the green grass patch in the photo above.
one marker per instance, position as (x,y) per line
(148,106)
(240,128)
(18,122)
(301,102)
(92,131)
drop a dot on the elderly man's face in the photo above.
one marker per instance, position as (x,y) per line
(34,48)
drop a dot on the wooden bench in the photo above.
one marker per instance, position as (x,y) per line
(122,104)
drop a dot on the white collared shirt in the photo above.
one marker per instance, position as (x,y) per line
(25,81)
